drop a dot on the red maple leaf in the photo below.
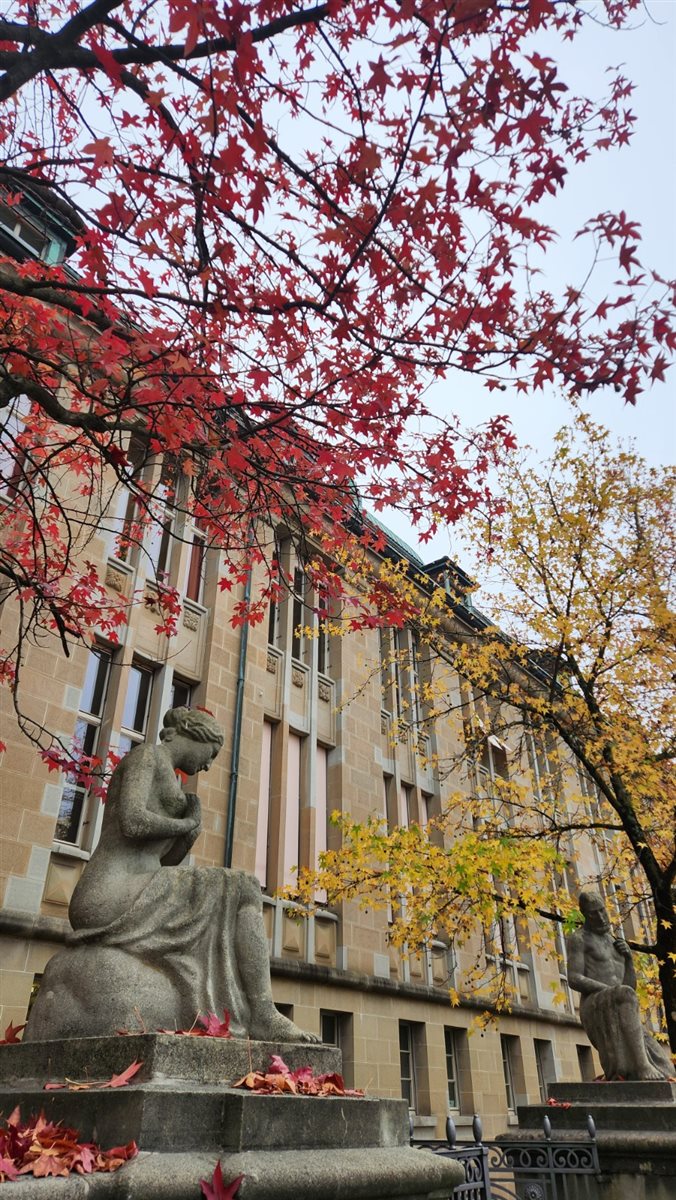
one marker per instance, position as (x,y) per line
(217,1189)
(10,1037)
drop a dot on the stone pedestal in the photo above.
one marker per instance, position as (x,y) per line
(635,1133)
(183,1113)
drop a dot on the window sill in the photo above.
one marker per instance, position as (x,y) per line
(421,1122)
(70,851)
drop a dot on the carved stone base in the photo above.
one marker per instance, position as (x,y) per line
(183,1113)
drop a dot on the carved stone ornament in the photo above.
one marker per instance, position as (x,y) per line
(384,722)
(271,664)
(324,690)
(297,677)
(115,580)
(191,620)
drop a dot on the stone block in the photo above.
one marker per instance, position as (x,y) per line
(646,1092)
(401,1174)
(164,1057)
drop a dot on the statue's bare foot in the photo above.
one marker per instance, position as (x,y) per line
(275,1027)
(650,1072)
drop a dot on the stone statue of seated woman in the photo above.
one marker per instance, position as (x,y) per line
(155,943)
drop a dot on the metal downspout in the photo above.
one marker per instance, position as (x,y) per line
(237,730)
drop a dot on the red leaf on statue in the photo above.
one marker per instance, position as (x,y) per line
(215,1028)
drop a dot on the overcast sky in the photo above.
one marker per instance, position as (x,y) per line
(641,179)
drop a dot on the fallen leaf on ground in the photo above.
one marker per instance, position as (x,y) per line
(217,1190)
(93,1085)
(46,1149)
(302,1082)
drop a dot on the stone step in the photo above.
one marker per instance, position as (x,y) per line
(649,1117)
(658,1091)
(164,1056)
(185,1116)
(386,1174)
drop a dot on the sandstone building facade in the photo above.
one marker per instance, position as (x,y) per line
(312,724)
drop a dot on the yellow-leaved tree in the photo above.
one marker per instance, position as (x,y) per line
(573,681)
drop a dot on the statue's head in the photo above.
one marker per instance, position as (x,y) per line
(192,723)
(593,909)
(192,737)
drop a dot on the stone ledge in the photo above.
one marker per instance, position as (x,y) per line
(164,1057)
(643,1118)
(653,1091)
(401,1174)
(187,1117)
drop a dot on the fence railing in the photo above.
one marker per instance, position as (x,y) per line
(540,1168)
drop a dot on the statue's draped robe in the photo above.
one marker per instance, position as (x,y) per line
(601,1014)
(169,957)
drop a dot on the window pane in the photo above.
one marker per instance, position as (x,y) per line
(125,745)
(181,694)
(297,635)
(70,811)
(193,589)
(329,1022)
(136,703)
(406,1065)
(505,1044)
(451,1068)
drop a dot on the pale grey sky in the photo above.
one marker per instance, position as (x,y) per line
(641,179)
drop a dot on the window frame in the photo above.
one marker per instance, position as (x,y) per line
(92,720)
(409,1086)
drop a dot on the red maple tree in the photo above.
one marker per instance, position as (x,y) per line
(286,219)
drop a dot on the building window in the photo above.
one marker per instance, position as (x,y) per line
(544,1061)
(406,813)
(292,812)
(298,616)
(194,585)
(508,943)
(71,819)
(450,1040)
(323,632)
(407,1064)
(263,813)
(512,1070)
(585,1060)
(506,1046)
(162,510)
(12,455)
(181,693)
(336,1030)
(136,707)
(330,1026)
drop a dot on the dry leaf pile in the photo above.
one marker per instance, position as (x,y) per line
(278,1079)
(41,1148)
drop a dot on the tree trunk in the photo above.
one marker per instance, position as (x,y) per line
(665,941)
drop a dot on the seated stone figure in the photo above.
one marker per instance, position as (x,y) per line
(601,968)
(155,943)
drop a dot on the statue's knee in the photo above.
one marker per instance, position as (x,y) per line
(626,996)
(250,891)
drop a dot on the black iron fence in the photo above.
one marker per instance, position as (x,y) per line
(541,1168)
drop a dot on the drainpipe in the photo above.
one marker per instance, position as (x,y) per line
(237,729)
